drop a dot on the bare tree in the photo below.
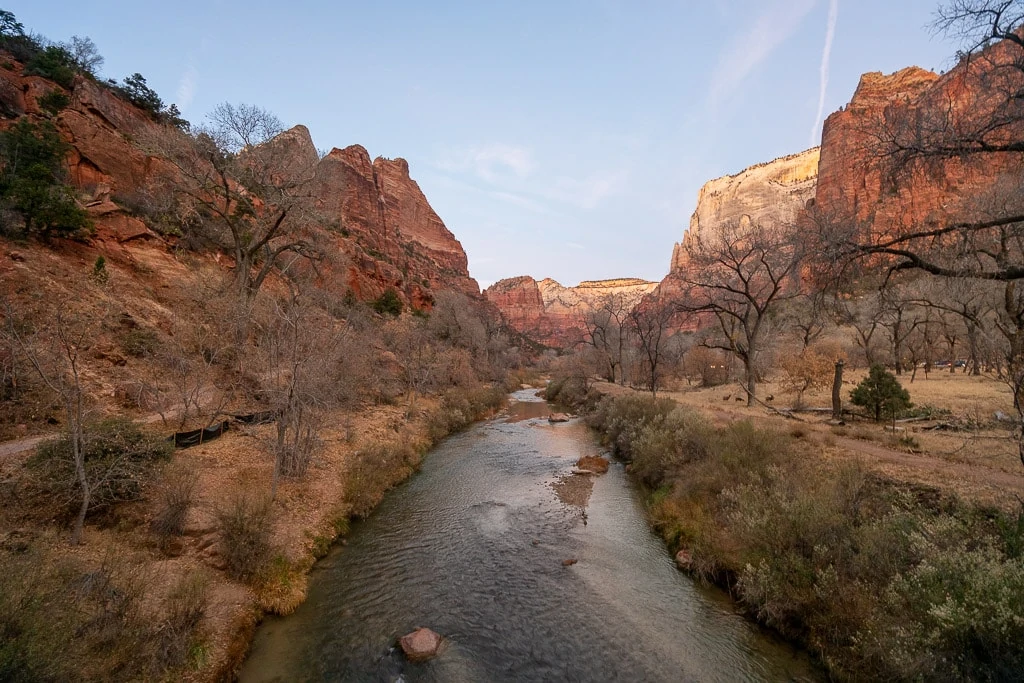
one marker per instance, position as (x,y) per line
(649,323)
(54,354)
(85,54)
(296,348)
(255,194)
(740,275)
(606,330)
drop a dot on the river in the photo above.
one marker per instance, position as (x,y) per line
(473,547)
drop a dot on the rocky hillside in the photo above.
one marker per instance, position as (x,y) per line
(381,228)
(870,189)
(552,314)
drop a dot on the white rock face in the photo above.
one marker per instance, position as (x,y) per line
(766,194)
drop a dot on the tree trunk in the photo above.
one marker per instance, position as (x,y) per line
(837,399)
(748,367)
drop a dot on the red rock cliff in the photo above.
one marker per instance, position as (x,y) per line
(374,214)
(551,314)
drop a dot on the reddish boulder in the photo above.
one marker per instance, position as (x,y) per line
(421,645)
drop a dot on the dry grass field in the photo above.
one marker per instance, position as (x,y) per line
(966,450)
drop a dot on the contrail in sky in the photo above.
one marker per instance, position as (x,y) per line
(826,54)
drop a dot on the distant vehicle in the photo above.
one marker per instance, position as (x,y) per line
(960,363)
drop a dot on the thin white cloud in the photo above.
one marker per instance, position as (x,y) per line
(187,87)
(491,162)
(590,191)
(826,55)
(746,52)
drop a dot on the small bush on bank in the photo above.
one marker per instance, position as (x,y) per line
(245,535)
(620,421)
(377,467)
(461,407)
(174,497)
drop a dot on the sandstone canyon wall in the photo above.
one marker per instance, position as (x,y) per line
(380,228)
(767,194)
(552,314)
(877,192)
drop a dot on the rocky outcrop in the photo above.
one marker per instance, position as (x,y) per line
(552,314)
(863,185)
(767,194)
(372,216)
(392,236)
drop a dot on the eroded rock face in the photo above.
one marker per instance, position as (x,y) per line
(771,194)
(372,215)
(767,194)
(862,185)
(552,314)
(392,235)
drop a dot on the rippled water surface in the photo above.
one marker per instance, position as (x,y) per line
(472,547)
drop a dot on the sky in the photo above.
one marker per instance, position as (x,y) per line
(555,138)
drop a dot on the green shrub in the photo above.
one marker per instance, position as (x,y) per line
(882,580)
(570,391)
(99,273)
(881,393)
(54,101)
(55,63)
(120,461)
(388,303)
(245,535)
(665,444)
(32,181)
(621,420)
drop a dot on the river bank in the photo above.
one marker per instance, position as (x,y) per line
(190,581)
(879,578)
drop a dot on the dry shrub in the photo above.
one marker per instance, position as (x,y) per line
(120,461)
(810,369)
(67,619)
(180,639)
(174,497)
(245,527)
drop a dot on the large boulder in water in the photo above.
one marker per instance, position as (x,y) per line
(421,645)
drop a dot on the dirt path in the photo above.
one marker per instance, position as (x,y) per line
(16,446)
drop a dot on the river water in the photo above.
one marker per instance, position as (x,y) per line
(473,548)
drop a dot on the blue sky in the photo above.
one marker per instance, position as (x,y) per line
(559,138)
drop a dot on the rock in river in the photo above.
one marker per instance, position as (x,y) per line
(558,417)
(421,645)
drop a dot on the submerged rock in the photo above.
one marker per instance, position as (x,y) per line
(684,560)
(421,645)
